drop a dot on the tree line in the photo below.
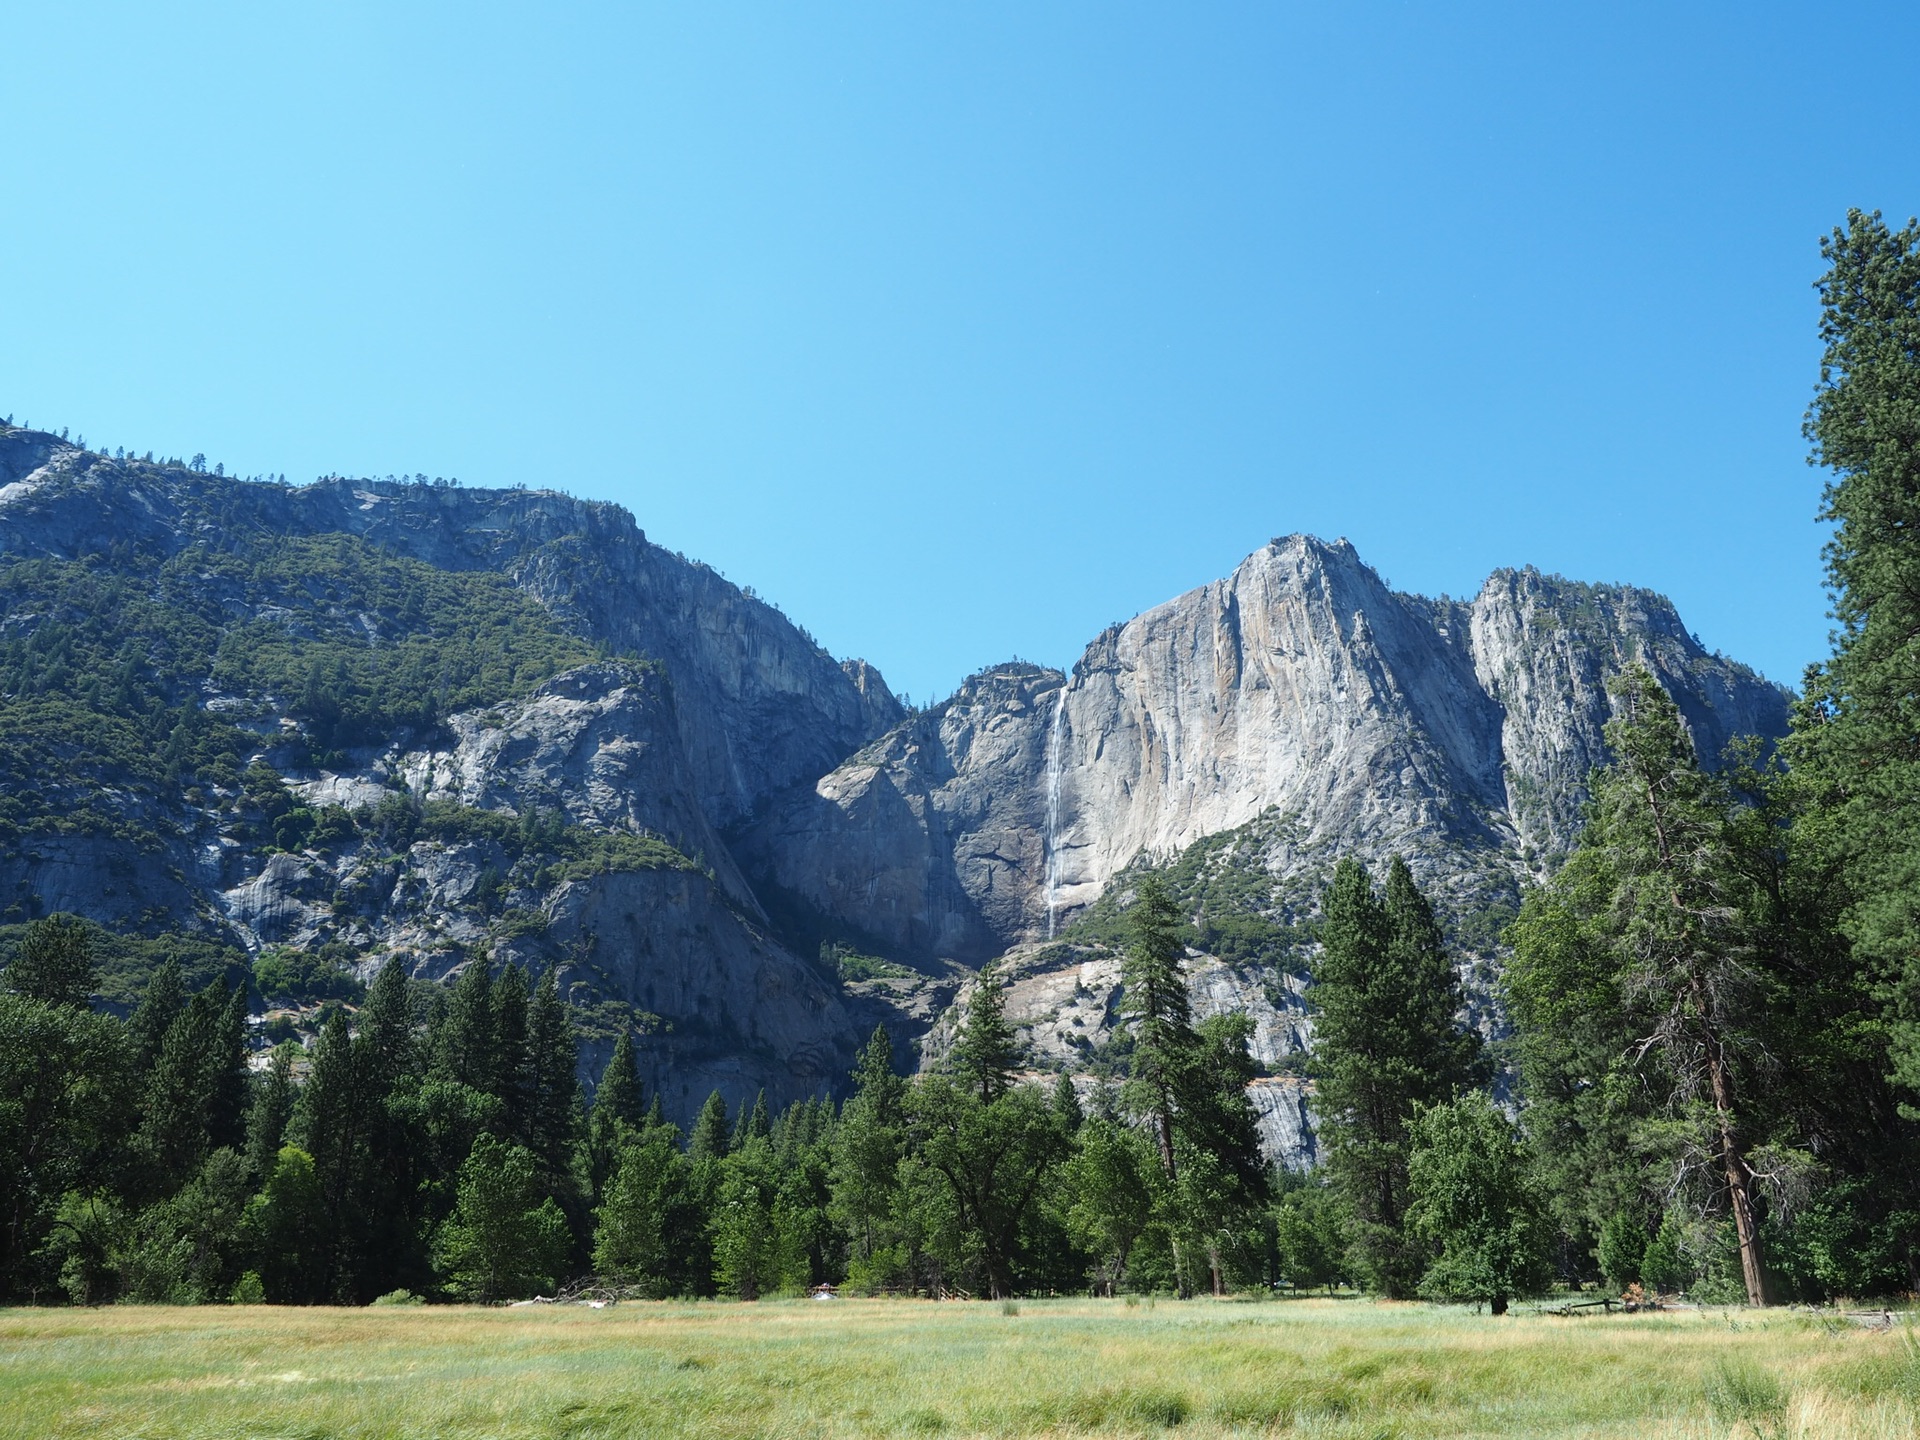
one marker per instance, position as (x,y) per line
(1706,1080)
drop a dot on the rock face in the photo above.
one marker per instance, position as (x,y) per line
(676,826)
(576,825)
(760,706)
(1461,733)
(738,1013)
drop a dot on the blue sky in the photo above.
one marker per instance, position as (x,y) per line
(963,331)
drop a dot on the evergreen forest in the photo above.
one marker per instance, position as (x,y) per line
(1704,1079)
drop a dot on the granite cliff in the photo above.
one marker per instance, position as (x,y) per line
(362,719)
(1458,732)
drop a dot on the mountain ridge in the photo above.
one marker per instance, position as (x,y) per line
(382,718)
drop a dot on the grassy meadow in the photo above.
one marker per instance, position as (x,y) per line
(859,1368)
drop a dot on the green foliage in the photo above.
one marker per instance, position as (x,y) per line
(983,1055)
(1114,1183)
(1622,1249)
(645,1213)
(1308,1235)
(54,962)
(126,962)
(1664,1264)
(383,643)
(288,976)
(504,1240)
(849,965)
(287,1224)
(1854,734)
(1239,910)
(1471,1201)
(1387,1044)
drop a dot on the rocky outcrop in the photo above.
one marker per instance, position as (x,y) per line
(725,769)
(730,1009)
(760,705)
(600,744)
(1459,734)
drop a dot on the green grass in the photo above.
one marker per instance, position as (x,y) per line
(858,1368)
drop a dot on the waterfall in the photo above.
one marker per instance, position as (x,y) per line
(1054,730)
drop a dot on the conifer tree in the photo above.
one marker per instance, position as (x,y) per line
(553,1059)
(512,1078)
(160,1005)
(180,1091)
(464,1042)
(753,1124)
(617,1114)
(1385,1043)
(1154,998)
(709,1140)
(326,1128)
(1854,740)
(872,1143)
(992,1143)
(55,962)
(228,1081)
(271,1109)
(618,1095)
(1678,929)
(983,1055)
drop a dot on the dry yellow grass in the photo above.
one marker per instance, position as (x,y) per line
(862,1368)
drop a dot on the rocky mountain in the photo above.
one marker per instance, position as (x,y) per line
(358,719)
(1460,733)
(336,723)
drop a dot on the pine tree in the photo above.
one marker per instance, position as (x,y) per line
(983,1055)
(553,1060)
(1679,929)
(160,1005)
(179,1093)
(226,1078)
(1855,733)
(1417,950)
(617,1115)
(1154,998)
(872,1142)
(993,1143)
(327,1128)
(619,1093)
(752,1124)
(710,1137)
(463,1044)
(55,962)
(512,1078)
(387,1178)
(1385,1043)
(271,1109)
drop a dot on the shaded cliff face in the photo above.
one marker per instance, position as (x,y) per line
(182,653)
(759,704)
(1459,734)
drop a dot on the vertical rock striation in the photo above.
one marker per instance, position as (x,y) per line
(1461,734)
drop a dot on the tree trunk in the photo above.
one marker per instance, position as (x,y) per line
(1213,1264)
(1739,1176)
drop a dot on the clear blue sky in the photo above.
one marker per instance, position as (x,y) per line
(962,331)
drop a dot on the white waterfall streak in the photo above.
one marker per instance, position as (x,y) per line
(1054,731)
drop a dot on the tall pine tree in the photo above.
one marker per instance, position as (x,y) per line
(1857,734)
(1385,1043)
